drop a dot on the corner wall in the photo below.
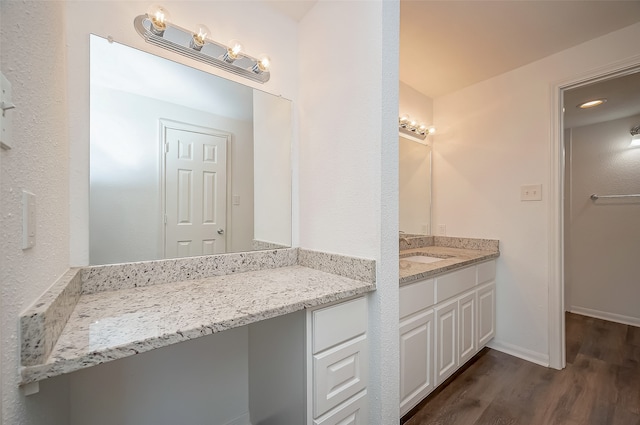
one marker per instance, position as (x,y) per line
(349,161)
(492,138)
(38,163)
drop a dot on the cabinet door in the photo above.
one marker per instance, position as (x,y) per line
(446,340)
(416,359)
(353,412)
(486,314)
(467,326)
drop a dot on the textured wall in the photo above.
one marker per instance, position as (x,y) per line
(602,267)
(35,66)
(492,138)
(348,161)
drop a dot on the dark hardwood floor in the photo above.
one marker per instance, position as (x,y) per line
(599,386)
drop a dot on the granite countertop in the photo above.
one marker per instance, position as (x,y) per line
(113,324)
(455,252)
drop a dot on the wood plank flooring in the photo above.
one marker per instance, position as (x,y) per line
(599,386)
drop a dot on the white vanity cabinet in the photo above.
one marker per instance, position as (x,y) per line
(444,322)
(338,367)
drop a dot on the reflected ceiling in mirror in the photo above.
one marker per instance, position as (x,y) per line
(182,162)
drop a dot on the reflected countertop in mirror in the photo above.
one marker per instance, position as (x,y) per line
(182,162)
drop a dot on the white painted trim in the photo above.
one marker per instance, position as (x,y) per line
(556,328)
(523,353)
(612,317)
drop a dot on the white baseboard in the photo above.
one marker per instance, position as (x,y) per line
(245,419)
(612,317)
(520,352)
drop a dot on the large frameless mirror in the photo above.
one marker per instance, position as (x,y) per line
(182,162)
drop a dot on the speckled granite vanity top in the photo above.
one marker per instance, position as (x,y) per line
(111,316)
(455,253)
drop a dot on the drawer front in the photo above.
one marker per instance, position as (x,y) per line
(353,412)
(455,283)
(339,373)
(338,323)
(486,272)
(416,296)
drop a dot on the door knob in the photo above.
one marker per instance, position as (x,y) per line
(221,231)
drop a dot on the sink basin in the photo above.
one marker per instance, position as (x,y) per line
(422,259)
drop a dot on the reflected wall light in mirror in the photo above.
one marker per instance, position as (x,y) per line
(635,136)
(142,124)
(155,27)
(414,128)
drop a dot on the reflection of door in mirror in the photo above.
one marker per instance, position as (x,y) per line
(195,191)
(415,187)
(232,201)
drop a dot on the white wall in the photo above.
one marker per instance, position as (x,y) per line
(602,268)
(260,27)
(126,189)
(38,163)
(348,161)
(492,138)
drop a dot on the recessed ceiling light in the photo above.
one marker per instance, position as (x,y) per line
(592,103)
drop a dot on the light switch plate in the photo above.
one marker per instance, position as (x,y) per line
(531,192)
(28,220)
(6,133)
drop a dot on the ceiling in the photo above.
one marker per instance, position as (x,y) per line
(446,45)
(623,100)
(449,45)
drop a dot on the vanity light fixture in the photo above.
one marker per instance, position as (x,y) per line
(156,28)
(592,103)
(635,136)
(411,127)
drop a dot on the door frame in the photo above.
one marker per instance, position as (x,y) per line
(556,329)
(165,124)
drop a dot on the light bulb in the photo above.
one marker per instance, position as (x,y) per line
(199,37)
(413,124)
(431,130)
(234,49)
(422,128)
(159,17)
(262,65)
(403,120)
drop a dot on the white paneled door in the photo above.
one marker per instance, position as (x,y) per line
(195,193)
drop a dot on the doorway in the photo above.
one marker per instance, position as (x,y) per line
(560,298)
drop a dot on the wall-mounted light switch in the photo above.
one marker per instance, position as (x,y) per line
(531,192)
(28,220)
(6,105)
(236,199)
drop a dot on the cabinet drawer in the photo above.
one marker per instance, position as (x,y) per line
(338,374)
(486,272)
(415,297)
(338,323)
(455,283)
(353,412)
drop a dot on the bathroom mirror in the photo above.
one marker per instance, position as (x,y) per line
(182,162)
(415,186)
